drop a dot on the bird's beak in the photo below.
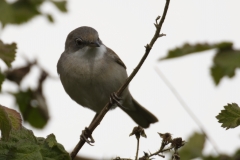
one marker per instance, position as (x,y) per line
(94,44)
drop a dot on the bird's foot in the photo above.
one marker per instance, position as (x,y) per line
(114,98)
(86,135)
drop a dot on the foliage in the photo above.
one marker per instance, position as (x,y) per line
(1,80)
(187,49)
(230,116)
(194,147)
(19,143)
(7,54)
(22,11)
(33,107)
(225,61)
(9,119)
(31,102)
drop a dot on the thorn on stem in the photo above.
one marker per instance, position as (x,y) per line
(161,155)
(161,35)
(148,46)
(158,17)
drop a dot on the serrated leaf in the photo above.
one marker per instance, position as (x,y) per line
(230,116)
(9,119)
(7,52)
(187,49)
(53,150)
(193,147)
(15,118)
(226,61)
(2,77)
(23,145)
(61,5)
(5,123)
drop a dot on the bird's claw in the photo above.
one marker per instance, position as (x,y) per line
(85,135)
(114,98)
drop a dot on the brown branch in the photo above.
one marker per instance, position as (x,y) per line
(148,47)
(157,153)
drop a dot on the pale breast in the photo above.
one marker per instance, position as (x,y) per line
(89,80)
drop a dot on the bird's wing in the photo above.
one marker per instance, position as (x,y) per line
(116,58)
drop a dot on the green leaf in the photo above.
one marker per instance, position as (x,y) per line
(22,11)
(237,154)
(193,147)
(51,140)
(33,107)
(7,52)
(2,77)
(61,5)
(51,147)
(18,12)
(230,116)
(226,61)
(218,157)
(9,119)
(23,145)
(5,123)
(7,10)
(50,18)
(187,49)
(224,45)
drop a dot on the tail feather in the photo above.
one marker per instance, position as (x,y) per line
(141,115)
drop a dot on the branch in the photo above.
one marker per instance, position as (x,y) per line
(148,47)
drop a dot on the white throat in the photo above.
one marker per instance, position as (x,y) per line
(91,52)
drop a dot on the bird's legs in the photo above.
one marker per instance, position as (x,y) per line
(86,133)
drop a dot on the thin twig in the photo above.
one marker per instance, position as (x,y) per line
(100,116)
(138,139)
(161,150)
(187,109)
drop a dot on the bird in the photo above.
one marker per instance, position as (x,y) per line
(90,72)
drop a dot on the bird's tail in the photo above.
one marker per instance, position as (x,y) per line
(141,115)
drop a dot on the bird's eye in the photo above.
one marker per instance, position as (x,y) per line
(79,42)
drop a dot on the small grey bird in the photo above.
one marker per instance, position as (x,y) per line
(90,72)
